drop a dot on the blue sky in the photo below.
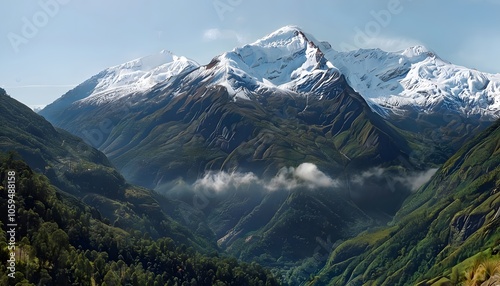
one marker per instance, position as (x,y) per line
(49,46)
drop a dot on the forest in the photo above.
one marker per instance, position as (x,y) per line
(62,241)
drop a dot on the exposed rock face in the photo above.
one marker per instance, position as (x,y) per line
(464,226)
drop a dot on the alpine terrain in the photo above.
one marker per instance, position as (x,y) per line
(329,168)
(82,224)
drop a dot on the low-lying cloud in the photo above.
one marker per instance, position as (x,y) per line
(219,182)
(306,175)
(379,189)
(243,191)
(413,181)
(416,180)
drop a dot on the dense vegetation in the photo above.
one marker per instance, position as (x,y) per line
(78,169)
(83,224)
(482,271)
(450,219)
(62,241)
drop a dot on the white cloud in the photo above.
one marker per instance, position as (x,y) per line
(362,40)
(392,44)
(413,181)
(283,180)
(305,175)
(416,180)
(374,172)
(218,34)
(212,34)
(219,182)
(313,176)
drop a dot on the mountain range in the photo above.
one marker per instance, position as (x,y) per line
(290,59)
(449,102)
(283,100)
(284,148)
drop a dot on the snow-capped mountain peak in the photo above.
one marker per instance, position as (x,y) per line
(417,79)
(288,37)
(147,62)
(286,59)
(138,75)
(291,60)
(284,55)
(417,51)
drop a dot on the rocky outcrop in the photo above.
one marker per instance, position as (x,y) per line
(464,226)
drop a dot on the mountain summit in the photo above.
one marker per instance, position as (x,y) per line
(416,79)
(121,81)
(287,59)
(138,75)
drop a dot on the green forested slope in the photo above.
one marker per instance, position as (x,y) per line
(451,218)
(62,241)
(78,169)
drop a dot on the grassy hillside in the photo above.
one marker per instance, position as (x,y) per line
(453,217)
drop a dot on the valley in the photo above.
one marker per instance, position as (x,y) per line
(281,162)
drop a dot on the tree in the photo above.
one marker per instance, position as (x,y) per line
(82,270)
(58,241)
(111,279)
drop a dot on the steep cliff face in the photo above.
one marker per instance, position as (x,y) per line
(463,226)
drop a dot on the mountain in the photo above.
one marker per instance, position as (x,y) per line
(418,80)
(436,104)
(413,80)
(278,134)
(292,88)
(276,110)
(39,142)
(84,172)
(419,92)
(123,80)
(449,221)
(286,60)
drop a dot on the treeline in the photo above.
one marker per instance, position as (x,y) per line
(61,241)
